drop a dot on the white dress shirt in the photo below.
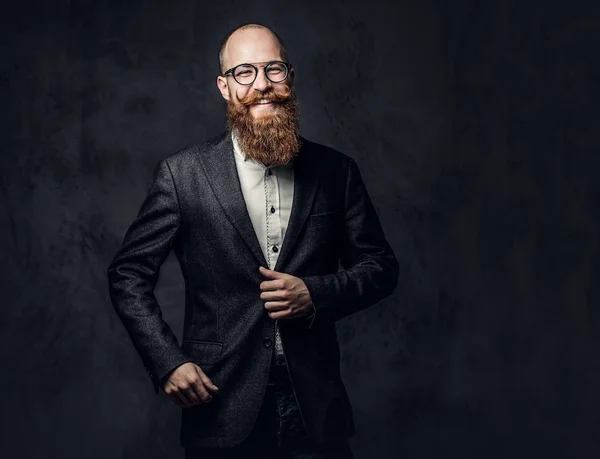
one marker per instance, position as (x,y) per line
(269,193)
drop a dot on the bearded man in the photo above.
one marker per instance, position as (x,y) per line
(260,220)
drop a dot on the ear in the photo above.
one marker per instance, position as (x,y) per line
(291,76)
(223,87)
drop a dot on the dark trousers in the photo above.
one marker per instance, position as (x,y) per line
(279,432)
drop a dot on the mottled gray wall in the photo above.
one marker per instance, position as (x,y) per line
(473,125)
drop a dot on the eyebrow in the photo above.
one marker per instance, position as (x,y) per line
(255,63)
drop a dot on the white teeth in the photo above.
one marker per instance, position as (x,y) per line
(263,101)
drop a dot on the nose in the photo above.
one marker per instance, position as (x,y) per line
(261,83)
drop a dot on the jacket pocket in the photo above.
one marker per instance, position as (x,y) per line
(323,219)
(202,352)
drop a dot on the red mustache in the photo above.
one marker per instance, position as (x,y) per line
(271,96)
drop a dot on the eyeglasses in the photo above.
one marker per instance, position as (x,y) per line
(275,71)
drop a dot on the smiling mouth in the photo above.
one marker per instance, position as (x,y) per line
(264,102)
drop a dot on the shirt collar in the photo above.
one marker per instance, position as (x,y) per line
(237,150)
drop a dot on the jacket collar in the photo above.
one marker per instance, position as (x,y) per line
(219,166)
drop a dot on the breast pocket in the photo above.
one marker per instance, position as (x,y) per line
(324,219)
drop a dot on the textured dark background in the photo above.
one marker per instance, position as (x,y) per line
(475,127)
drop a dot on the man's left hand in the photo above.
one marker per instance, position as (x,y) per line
(285,296)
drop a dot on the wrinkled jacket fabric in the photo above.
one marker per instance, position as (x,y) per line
(334,243)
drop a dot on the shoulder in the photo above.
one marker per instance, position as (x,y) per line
(326,155)
(187,155)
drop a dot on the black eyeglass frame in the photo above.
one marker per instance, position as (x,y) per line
(287,66)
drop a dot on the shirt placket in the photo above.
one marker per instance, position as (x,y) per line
(273,225)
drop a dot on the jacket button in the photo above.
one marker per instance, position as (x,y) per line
(267,342)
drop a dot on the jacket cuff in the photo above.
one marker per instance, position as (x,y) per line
(317,286)
(161,373)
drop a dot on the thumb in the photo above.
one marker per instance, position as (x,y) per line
(271,274)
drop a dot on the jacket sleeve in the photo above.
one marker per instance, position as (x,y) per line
(370,269)
(133,273)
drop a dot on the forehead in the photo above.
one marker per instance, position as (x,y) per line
(251,45)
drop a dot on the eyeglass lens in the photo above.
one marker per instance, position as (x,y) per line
(246,74)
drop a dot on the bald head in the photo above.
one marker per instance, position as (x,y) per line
(249,41)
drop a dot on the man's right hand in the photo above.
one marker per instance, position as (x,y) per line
(187,385)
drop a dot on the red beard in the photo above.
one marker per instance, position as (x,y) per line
(272,139)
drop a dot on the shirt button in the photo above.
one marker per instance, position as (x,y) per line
(275,249)
(267,342)
(272,209)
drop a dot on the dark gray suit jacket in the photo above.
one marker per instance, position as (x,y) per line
(195,207)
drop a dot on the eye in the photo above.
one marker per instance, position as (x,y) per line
(244,70)
(276,68)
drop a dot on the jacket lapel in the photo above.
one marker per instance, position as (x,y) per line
(221,173)
(306,183)
(219,166)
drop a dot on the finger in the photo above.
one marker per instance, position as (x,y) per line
(177,397)
(201,394)
(276,305)
(208,384)
(201,388)
(283,314)
(276,284)
(274,295)
(191,392)
(289,313)
(187,396)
